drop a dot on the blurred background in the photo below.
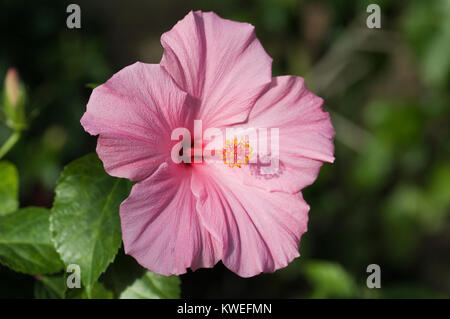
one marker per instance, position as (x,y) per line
(385,200)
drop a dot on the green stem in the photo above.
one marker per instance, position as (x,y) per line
(10,142)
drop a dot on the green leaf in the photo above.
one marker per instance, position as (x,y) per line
(153,286)
(97,291)
(25,242)
(50,287)
(128,280)
(9,186)
(122,273)
(329,280)
(85,217)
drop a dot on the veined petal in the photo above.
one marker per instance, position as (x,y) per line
(260,231)
(160,225)
(220,63)
(305,136)
(134,113)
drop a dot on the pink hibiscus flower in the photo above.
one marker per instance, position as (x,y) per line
(181,216)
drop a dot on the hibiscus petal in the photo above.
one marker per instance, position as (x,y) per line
(305,135)
(219,62)
(259,231)
(134,112)
(160,225)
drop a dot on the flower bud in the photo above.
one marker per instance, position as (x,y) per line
(14,97)
(12,87)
